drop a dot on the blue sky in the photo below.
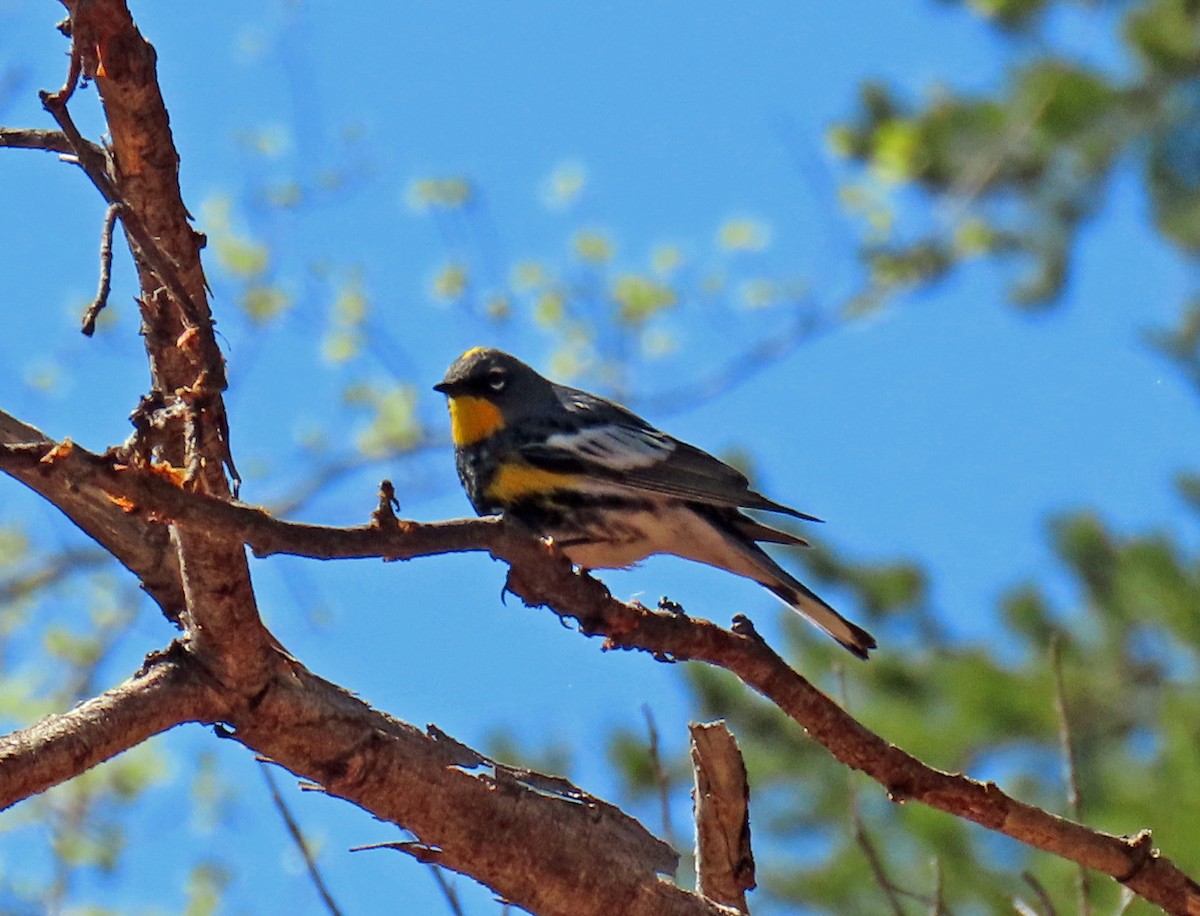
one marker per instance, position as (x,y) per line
(943,430)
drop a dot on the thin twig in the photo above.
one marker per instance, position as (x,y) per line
(938,907)
(660,775)
(89,156)
(74,69)
(861,836)
(449,891)
(968,189)
(50,141)
(94,161)
(1043,896)
(101,300)
(1070,764)
(297,835)
(742,367)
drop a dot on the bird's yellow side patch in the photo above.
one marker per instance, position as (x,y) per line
(473,420)
(514,480)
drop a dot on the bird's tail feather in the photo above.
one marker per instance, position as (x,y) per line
(728,542)
(804,600)
(756,531)
(810,605)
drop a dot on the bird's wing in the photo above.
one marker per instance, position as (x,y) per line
(611,442)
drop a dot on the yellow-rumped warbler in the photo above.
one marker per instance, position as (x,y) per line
(608,487)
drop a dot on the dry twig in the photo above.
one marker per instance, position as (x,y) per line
(297,835)
(106,256)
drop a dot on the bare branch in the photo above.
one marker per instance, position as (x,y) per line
(51,141)
(660,774)
(1069,763)
(469,813)
(542,576)
(141,173)
(1043,896)
(89,156)
(166,692)
(721,796)
(874,861)
(861,835)
(101,300)
(448,891)
(94,160)
(297,835)
(141,545)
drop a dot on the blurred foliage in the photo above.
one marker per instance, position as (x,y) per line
(1010,176)
(61,616)
(1130,665)
(1027,165)
(206,883)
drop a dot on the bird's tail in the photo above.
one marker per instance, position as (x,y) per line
(794,593)
(810,604)
(728,542)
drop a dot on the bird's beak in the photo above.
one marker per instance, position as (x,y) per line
(443,387)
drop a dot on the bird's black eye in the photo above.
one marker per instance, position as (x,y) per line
(497,379)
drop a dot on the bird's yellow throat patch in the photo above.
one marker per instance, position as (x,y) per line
(473,420)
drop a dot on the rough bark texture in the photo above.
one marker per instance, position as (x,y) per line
(142,547)
(541,576)
(557,855)
(721,801)
(168,691)
(160,504)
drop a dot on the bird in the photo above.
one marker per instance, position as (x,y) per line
(608,488)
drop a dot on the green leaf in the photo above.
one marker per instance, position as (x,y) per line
(593,247)
(395,426)
(451,282)
(451,193)
(264,303)
(638,298)
(743,235)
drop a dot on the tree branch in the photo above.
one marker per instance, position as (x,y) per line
(471,814)
(166,692)
(495,825)
(542,576)
(140,175)
(142,546)
(1070,766)
(51,141)
(105,284)
(538,840)
(721,796)
(301,841)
